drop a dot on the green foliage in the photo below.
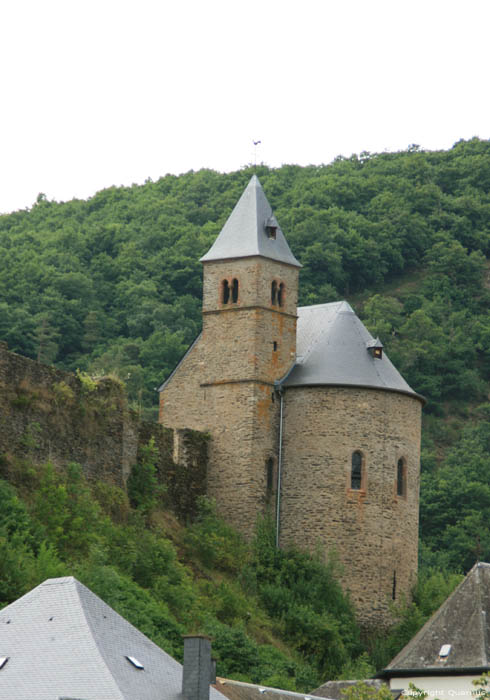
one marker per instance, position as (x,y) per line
(303,593)
(25,561)
(213,541)
(31,436)
(143,487)
(363,691)
(482,686)
(66,510)
(63,394)
(87,382)
(455,503)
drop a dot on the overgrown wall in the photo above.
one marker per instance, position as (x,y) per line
(50,415)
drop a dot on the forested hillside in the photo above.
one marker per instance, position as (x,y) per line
(113,285)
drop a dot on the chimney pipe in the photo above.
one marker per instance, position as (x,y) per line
(196,675)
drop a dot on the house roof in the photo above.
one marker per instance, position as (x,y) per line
(332,349)
(463,622)
(62,641)
(237,690)
(335,689)
(244,234)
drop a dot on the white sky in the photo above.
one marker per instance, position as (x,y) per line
(101,92)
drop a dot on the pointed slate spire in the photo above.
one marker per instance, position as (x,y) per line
(251,230)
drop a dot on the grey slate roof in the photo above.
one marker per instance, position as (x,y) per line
(334,689)
(463,621)
(64,641)
(237,690)
(244,234)
(331,349)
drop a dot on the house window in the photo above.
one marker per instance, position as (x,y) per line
(225,292)
(356,471)
(234,291)
(280,294)
(274,345)
(401,478)
(274,292)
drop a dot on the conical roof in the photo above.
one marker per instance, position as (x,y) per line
(245,235)
(62,641)
(332,349)
(461,625)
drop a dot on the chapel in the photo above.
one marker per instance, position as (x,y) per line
(306,414)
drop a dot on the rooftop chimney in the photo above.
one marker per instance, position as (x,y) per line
(196,675)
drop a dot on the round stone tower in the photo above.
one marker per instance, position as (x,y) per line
(350,458)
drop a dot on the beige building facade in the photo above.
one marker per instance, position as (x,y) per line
(306,414)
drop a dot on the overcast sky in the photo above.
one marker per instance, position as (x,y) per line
(97,93)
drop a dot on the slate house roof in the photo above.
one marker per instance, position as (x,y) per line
(332,349)
(237,690)
(62,641)
(335,689)
(463,622)
(244,234)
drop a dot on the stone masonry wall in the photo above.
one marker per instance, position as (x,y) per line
(252,338)
(373,530)
(243,440)
(225,384)
(50,415)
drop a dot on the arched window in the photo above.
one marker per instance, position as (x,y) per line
(274,292)
(225,292)
(234,291)
(280,294)
(356,471)
(400,477)
(270,475)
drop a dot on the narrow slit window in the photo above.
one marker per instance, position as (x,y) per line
(356,471)
(225,291)
(274,292)
(234,291)
(393,592)
(280,294)
(400,477)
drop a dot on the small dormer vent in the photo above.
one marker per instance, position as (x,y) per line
(445,651)
(271,227)
(375,348)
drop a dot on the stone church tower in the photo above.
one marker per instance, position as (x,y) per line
(307,415)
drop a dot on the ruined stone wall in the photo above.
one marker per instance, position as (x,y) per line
(373,531)
(50,415)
